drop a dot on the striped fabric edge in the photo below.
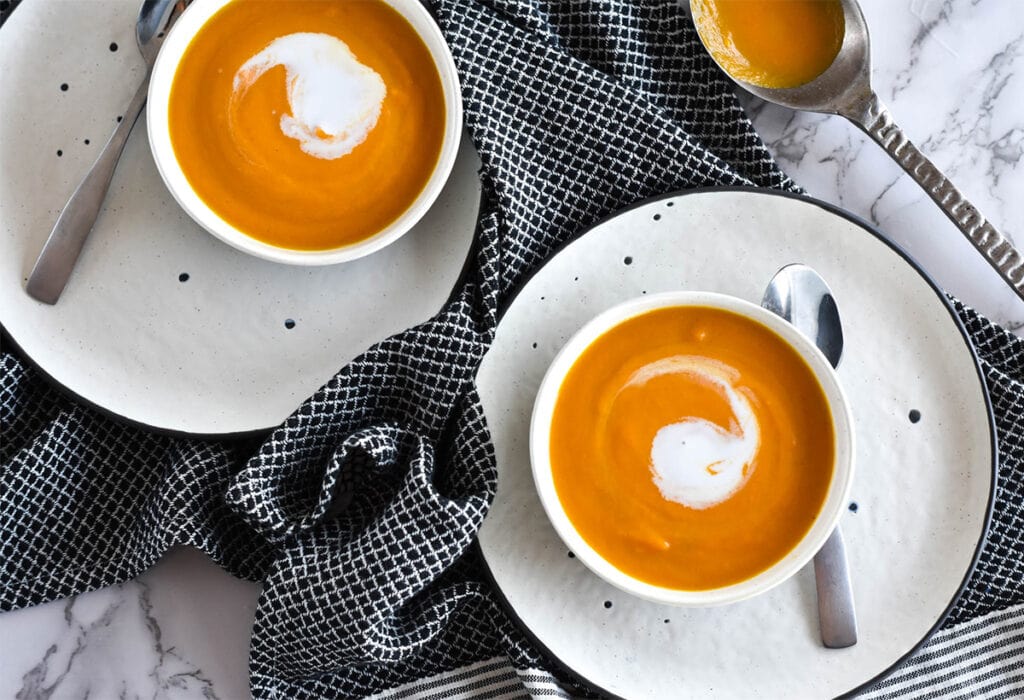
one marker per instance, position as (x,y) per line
(979,659)
(493,679)
(982,658)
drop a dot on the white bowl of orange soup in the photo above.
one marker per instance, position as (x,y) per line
(308,132)
(692,448)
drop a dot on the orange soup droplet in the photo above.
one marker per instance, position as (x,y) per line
(291,163)
(772,43)
(691,447)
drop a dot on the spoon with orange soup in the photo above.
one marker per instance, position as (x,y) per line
(814,55)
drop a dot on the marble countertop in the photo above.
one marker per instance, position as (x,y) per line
(951,71)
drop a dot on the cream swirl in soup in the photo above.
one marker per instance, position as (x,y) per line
(694,461)
(335,100)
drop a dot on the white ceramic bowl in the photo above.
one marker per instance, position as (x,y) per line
(181,34)
(838,491)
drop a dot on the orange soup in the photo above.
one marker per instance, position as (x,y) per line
(772,43)
(308,124)
(691,447)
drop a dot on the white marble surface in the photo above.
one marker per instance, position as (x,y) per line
(181,630)
(951,71)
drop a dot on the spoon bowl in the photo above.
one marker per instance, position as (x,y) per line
(844,85)
(844,88)
(153,22)
(799,294)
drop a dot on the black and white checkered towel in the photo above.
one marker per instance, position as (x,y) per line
(358,514)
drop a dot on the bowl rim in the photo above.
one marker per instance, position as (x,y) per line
(157,126)
(843,458)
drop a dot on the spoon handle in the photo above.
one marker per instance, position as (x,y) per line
(837,617)
(874,118)
(60,252)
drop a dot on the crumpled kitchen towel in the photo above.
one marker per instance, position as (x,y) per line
(358,514)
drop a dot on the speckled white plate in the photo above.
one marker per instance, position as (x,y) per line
(925,455)
(161,323)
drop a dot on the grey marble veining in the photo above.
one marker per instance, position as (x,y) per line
(94,627)
(179,631)
(952,72)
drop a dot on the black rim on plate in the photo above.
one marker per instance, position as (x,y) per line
(7,338)
(994,446)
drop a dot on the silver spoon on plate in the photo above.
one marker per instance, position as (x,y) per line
(844,88)
(60,252)
(799,294)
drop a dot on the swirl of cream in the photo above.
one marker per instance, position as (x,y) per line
(695,462)
(335,100)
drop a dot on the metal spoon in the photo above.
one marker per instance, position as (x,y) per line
(844,89)
(799,294)
(57,259)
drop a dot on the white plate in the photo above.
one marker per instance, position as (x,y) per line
(922,490)
(211,355)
